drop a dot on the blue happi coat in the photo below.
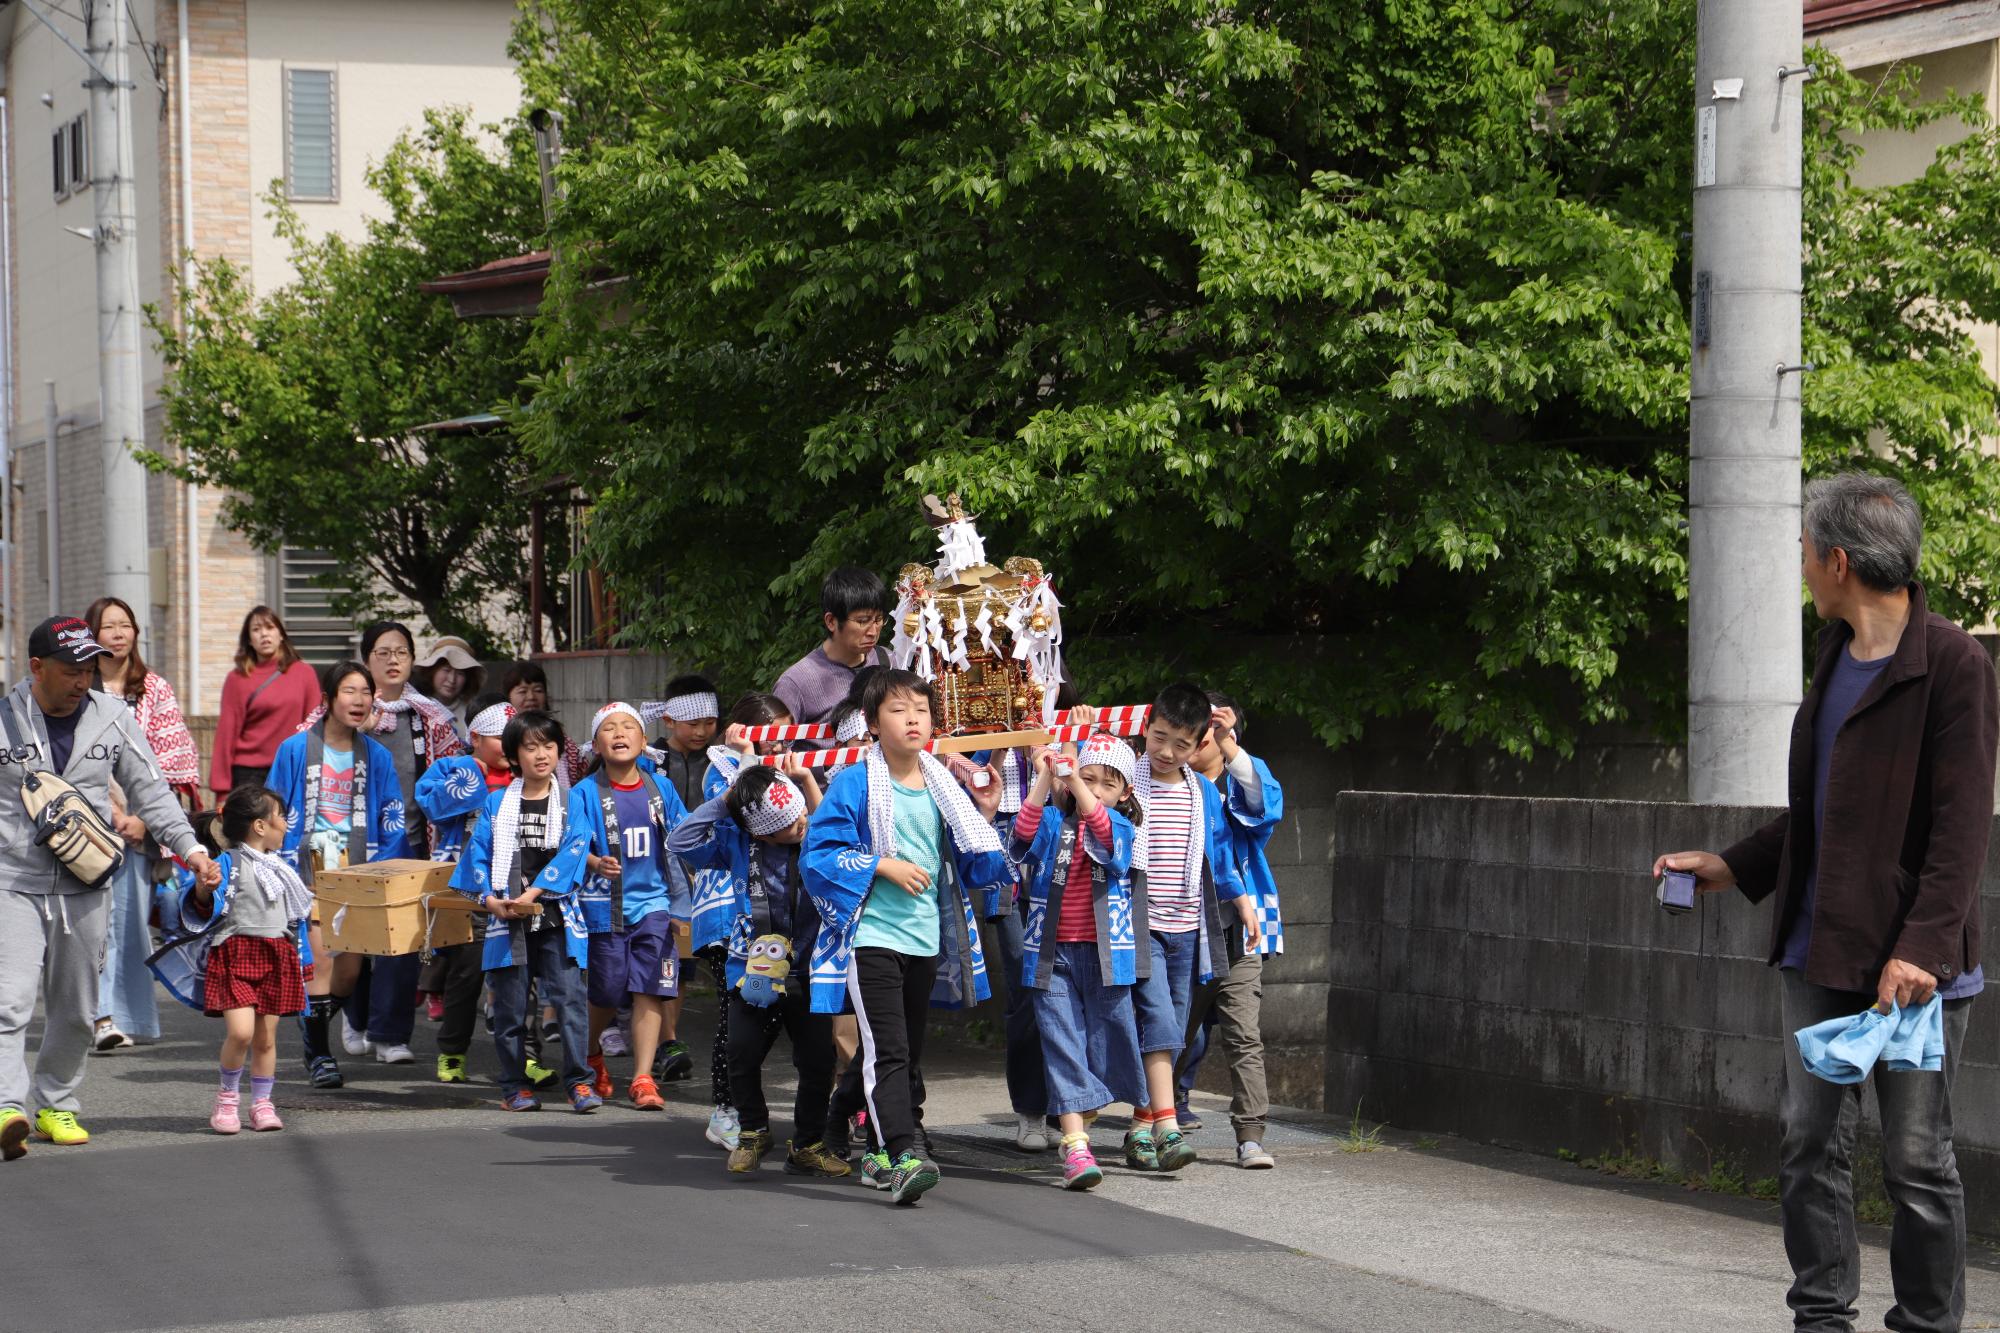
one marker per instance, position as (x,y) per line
(452,793)
(503,943)
(1121,914)
(713,843)
(384,822)
(839,867)
(712,888)
(583,837)
(1254,815)
(181,964)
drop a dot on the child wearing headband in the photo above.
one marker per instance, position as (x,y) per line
(753,830)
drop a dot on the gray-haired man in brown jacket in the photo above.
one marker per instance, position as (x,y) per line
(1876,865)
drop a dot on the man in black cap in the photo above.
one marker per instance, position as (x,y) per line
(52,924)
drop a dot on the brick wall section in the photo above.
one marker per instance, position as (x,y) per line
(1499,969)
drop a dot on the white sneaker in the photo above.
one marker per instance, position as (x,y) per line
(724,1128)
(613,1042)
(1251,1156)
(354,1043)
(394,1053)
(1031,1133)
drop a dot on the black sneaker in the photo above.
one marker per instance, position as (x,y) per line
(672,1063)
(911,1178)
(837,1140)
(324,1072)
(925,1148)
(551,1031)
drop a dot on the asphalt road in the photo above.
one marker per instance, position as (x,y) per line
(398,1203)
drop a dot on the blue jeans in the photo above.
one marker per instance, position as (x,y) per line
(560,983)
(1090,1039)
(1919,1169)
(124,985)
(1027,1084)
(389,1013)
(1163,999)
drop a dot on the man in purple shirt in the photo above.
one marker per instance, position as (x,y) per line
(854,607)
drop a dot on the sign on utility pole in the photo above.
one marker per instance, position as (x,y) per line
(1744,604)
(120,371)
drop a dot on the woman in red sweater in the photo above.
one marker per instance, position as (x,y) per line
(269,695)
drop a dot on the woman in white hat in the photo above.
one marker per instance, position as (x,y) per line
(450,674)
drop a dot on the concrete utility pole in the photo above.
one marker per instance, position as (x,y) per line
(121,383)
(1744,658)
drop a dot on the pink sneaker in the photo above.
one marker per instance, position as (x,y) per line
(263,1115)
(224,1119)
(1080,1169)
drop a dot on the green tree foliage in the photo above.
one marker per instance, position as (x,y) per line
(300,402)
(1333,353)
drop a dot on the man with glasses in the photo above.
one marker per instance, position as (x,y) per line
(51,923)
(854,607)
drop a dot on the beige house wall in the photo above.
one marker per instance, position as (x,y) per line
(393,59)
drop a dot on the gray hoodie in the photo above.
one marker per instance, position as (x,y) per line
(108,745)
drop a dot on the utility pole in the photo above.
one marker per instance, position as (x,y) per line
(1744,604)
(121,383)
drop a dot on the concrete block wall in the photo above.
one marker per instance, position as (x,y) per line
(1499,969)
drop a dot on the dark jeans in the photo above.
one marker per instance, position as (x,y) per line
(1027,1080)
(243,775)
(462,981)
(559,982)
(392,999)
(752,1034)
(892,998)
(1919,1169)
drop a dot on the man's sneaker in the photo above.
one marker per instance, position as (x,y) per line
(1173,1151)
(60,1128)
(227,1117)
(551,1031)
(520,1099)
(264,1116)
(645,1094)
(672,1062)
(1140,1153)
(13,1134)
(583,1099)
(1030,1134)
(539,1074)
(354,1043)
(1189,1118)
(1080,1168)
(875,1169)
(838,1139)
(323,1071)
(814,1160)
(748,1154)
(1250,1155)
(724,1128)
(911,1178)
(924,1147)
(601,1084)
(109,1038)
(451,1069)
(394,1053)
(613,1042)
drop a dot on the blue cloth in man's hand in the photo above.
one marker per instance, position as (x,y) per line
(1844,1050)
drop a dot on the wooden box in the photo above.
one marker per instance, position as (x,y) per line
(381,908)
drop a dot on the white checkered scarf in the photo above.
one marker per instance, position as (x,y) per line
(1197,824)
(507,831)
(278,881)
(969,829)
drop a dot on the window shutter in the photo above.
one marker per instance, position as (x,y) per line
(59,156)
(311,144)
(306,602)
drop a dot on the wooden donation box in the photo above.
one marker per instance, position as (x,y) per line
(391,907)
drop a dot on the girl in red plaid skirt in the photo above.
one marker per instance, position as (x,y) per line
(254,976)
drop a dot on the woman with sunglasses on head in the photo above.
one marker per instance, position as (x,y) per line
(126,1012)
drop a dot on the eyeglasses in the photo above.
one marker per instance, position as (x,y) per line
(391,654)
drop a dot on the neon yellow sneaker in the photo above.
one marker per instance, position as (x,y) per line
(60,1128)
(13,1134)
(451,1069)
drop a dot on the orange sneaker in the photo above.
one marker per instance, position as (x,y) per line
(645,1094)
(601,1085)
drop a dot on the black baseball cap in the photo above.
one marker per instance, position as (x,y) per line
(65,639)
